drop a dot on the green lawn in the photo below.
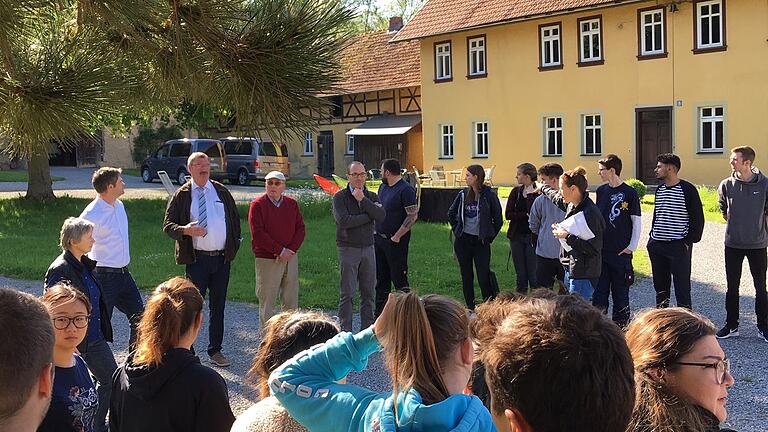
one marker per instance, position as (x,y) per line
(20,176)
(135,172)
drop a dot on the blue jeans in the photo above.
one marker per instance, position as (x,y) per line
(101,362)
(582,287)
(211,274)
(120,292)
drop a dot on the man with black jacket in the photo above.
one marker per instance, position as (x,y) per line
(355,209)
(678,223)
(206,227)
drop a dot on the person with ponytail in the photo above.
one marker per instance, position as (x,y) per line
(429,355)
(162,385)
(475,218)
(284,336)
(682,375)
(584,259)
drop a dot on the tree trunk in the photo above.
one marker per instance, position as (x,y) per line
(39,186)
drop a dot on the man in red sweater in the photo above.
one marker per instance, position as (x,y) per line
(277,231)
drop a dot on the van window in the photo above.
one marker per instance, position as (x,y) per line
(267,149)
(284,150)
(238,148)
(180,149)
(162,152)
(211,149)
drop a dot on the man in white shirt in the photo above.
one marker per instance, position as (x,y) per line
(111,250)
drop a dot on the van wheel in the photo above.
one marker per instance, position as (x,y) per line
(242,178)
(146,175)
(181,177)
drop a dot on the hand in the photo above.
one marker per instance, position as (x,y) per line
(191,229)
(358,194)
(395,239)
(286,255)
(559,232)
(378,326)
(626,251)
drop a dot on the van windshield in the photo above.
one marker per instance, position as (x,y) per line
(211,149)
(267,149)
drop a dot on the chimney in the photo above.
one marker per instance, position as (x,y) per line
(395,24)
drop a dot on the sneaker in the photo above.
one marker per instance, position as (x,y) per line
(763,332)
(219,360)
(727,332)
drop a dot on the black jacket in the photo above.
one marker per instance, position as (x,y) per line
(585,260)
(66,268)
(177,215)
(180,395)
(695,213)
(489,212)
(355,221)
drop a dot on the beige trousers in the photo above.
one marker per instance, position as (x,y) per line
(276,278)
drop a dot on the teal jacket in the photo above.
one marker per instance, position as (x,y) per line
(307,387)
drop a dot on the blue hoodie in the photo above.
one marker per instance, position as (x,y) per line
(307,387)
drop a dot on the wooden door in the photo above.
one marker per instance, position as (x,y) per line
(325,153)
(654,136)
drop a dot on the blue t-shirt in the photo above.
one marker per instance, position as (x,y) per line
(94,325)
(617,205)
(471,221)
(74,401)
(395,199)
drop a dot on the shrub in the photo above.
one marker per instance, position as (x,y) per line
(639,187)
(148,140)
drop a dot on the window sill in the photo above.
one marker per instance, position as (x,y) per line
(445,158)
(308,155)
(590,154)
(591,63)
(477,76)
(443,80)
(552,155)
(480,157)
(552,67)
(652,56)
(715,151)
(709,49)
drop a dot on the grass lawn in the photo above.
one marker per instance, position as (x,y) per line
(135,172)
(29,236)
(20,176)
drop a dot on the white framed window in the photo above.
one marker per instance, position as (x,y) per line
(308,146)
(480,139)
(553,136)
(551,47)
(592,136)
(590,39)
(443,61)
(446,141)
(710,24)
(477,56)
(652,32)
(711,129)
(350,144)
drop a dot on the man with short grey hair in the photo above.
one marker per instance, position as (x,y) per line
(26,361)
(355,209)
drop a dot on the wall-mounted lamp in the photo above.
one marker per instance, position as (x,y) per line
(673,7)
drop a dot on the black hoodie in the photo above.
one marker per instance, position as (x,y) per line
(180,395)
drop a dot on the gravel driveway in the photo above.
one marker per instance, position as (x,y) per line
(748,401)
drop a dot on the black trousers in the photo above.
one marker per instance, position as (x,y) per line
(391,268)
(524,258)
(211,274)
(469,249)
(671,260)
(758,264)
(547,270)
(613,281)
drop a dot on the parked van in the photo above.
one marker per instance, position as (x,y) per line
(252,158)
(172,156)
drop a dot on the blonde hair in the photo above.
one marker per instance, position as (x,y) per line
(63,292)
(170,312)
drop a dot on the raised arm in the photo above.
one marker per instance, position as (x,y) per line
(555,196)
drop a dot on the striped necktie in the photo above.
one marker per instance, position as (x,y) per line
(202,214)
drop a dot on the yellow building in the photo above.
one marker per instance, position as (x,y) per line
(375,115)
(511,81)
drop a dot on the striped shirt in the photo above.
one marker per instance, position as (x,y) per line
(671,220)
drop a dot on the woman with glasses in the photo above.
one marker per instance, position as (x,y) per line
(75,268)
(682,375)
(74,399)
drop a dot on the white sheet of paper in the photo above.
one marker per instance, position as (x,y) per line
(576,225)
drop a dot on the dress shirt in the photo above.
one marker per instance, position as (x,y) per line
(110,233)
(216,219)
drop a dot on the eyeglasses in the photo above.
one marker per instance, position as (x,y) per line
(80,321)
(274,182)
(720,367)
(358,175)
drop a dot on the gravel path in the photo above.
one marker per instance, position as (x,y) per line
(747,404)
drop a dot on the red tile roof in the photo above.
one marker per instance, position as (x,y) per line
(371,63)
(447,16)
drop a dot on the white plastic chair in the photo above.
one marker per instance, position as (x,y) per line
(437,178)
(167,184)
(489,175)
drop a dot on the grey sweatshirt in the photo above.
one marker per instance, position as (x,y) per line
(543,214)
(354,221)
(744,206)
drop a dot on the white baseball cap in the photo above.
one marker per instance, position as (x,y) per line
(275,175)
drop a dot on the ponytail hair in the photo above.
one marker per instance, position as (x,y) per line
(170,312)
(577,177)
(479,172)
(419,339)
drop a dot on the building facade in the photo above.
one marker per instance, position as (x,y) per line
(510,82)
